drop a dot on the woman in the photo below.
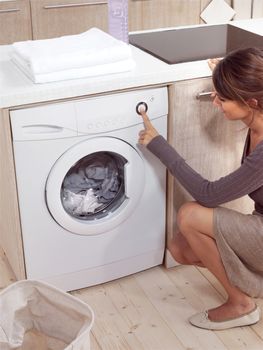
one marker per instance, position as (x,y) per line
(228,243)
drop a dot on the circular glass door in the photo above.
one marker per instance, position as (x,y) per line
(95,185)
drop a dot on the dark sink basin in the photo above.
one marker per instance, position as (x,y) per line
(194,43)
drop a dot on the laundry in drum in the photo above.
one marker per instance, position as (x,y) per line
(93,183)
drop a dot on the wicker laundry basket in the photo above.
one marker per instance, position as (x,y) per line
(37,316)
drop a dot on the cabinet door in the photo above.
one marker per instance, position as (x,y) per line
(15,21)
(209,143)
(257,9)
(152,14)
(53,18)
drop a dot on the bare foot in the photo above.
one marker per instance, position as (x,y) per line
(230,310)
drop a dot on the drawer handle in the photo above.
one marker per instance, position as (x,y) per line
(48,7)
(9,10)
(204,95)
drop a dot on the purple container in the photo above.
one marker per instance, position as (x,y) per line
(118,19)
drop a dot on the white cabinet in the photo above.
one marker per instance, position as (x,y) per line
(257,9)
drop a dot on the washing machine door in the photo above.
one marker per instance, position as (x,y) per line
(95,185)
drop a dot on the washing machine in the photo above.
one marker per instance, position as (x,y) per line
(92,201)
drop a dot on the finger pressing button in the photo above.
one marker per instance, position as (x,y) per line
(141,107)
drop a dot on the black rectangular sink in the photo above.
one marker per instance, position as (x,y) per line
(194,43)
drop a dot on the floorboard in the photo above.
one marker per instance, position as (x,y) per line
(149,311)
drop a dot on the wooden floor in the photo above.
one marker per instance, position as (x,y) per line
(149,310)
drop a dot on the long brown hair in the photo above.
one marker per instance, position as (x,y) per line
(239,76)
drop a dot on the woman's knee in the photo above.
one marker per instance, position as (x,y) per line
(186,215)
(193,217)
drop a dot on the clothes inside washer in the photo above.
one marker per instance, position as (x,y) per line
(80,204)
(92,183)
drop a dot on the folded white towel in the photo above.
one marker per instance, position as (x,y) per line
(74,73)
(91,48)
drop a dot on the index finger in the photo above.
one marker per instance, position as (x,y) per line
(146,120)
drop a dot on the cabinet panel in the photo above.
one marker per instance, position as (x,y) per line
(135,15)
(10,229)
(15,21)
(152,14)
(209,143)
(257,9)
(61,17)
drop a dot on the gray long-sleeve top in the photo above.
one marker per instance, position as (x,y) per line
(246,180)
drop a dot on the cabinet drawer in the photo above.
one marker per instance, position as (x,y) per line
(15,21)
(53,18)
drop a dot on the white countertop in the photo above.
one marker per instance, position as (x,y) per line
(16,89)
(253,25)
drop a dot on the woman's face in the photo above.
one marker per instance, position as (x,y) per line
(232,110)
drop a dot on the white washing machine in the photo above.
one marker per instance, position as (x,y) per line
(92,201)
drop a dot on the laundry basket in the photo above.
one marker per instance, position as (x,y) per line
(37,316)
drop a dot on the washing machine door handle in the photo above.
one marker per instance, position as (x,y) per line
(127,180)
(131,181)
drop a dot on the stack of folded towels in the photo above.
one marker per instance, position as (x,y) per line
(89,54)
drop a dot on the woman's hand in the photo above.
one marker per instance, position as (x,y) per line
(149,132)
(212,62)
